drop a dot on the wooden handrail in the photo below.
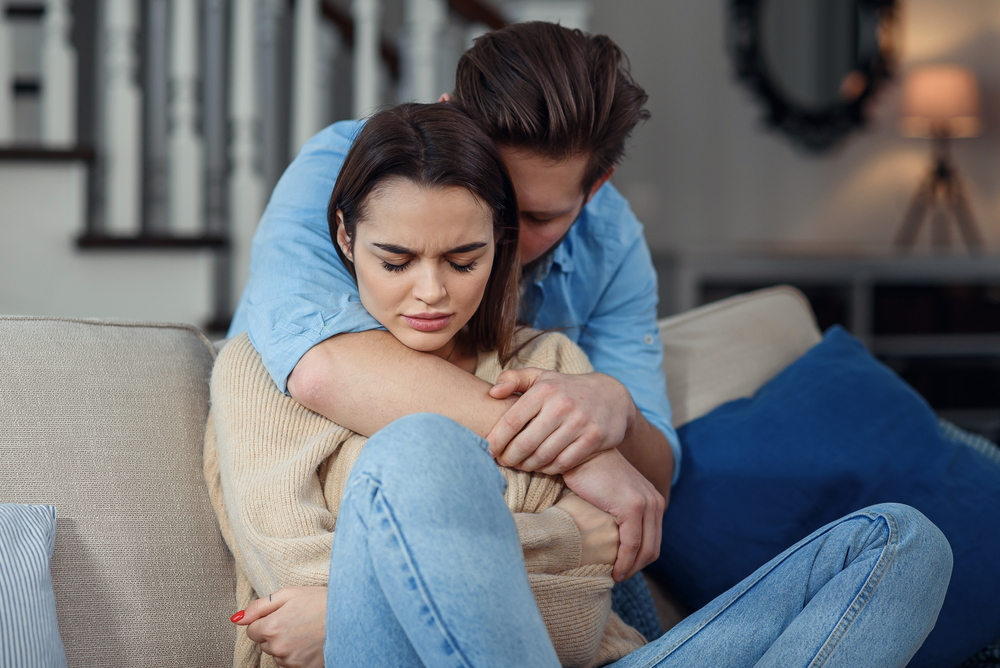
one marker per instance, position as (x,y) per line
(475,11)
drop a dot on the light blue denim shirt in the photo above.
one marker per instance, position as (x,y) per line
(599,287)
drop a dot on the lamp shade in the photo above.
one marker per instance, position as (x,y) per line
(940,100)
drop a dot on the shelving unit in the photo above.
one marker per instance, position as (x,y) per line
(934,319)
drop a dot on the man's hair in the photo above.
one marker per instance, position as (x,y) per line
(553,91)
(437,145)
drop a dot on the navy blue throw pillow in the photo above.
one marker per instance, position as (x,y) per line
(834,432)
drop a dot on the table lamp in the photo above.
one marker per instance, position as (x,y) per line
(940,102)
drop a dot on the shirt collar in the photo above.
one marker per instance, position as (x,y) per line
(559,257)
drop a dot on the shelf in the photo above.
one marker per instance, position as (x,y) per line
(43,154)
(151,242)
(937,345)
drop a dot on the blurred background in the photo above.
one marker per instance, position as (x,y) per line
(848,147)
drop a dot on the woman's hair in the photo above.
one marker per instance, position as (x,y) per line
(553,91)
(436,145)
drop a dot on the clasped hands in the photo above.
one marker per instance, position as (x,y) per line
(572,424)
(560,424)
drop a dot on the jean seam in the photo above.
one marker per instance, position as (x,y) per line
(865,594)
(875,516)
(411,566)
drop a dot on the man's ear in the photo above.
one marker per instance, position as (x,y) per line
(445,97)
(598,183)
(342,240)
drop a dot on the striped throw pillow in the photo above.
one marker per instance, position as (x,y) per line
(29,632)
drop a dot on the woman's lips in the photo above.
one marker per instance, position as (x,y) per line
(427,324)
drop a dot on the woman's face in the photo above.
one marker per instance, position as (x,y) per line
(422,256)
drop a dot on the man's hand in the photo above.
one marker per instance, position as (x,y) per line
(290,625)
(609,482)
(560,420)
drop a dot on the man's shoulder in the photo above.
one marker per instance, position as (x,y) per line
(337,137)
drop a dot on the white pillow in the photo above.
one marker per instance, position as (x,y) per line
(29,632)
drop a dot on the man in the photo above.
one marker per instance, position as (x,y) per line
(560,106)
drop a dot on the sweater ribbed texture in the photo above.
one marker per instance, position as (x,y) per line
(276,472)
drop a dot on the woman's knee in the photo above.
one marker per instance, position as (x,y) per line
(920,539)
(425,445)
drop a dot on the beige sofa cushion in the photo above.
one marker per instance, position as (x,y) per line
(106,422)
(728,349)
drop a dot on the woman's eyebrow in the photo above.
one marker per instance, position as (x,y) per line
(402,250)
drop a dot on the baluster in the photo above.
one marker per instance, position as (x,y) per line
(367,73)
(246,186)
(58,77)
(306,64)
(216,144)
(122,118)
(186,151)
(155,216)
(425,23)
(330,76)
(275,88)
(6,79)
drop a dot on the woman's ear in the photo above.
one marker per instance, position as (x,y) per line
(342,239)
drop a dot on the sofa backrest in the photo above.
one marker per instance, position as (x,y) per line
(728,349)
(105,421)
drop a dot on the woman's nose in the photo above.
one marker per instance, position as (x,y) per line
(429,287)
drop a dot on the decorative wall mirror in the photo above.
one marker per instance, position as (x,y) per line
(815,64)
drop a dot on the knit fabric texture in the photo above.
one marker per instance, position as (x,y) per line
(276,472)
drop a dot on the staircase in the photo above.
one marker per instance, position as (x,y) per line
(140,139)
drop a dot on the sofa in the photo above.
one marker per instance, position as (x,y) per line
(104,421)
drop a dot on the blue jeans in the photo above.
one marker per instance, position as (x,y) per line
(427,570)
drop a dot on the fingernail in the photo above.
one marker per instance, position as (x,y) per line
(237,617)
(501,383)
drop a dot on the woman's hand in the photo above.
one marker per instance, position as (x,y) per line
(609,482)
(290,625)
(598,530)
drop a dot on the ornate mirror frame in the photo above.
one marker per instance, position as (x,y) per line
(815,131)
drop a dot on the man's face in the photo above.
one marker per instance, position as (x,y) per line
(549,197)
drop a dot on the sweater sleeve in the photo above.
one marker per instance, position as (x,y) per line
(550,540)
(268,449)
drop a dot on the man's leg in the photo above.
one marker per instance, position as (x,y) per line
(427,567)
(862,591)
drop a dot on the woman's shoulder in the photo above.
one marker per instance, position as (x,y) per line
(553,351)
(239,363)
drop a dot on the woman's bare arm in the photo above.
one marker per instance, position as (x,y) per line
(366,380)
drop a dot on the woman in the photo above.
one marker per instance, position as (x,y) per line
(428,566)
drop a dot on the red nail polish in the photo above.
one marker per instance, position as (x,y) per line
(237,617)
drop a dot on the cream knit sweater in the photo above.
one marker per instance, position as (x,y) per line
(276,471)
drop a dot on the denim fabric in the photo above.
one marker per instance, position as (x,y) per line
(633,602)
(600,287)
(427,570)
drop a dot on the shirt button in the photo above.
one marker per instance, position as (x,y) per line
(648,339)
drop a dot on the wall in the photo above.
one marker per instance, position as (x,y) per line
(704,172)
(42,273)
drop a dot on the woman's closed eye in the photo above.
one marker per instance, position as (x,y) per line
(461,268)
(388,266)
